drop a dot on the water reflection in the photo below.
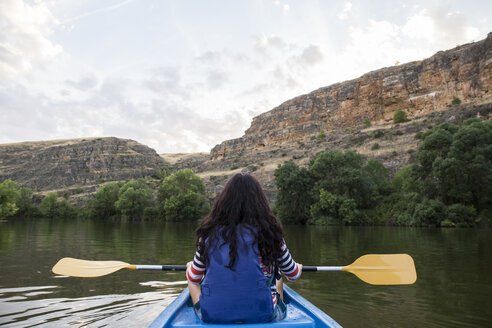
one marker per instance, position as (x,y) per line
(27,309)
(453,287)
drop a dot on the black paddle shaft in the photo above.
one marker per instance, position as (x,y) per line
(309,268)
(174,268)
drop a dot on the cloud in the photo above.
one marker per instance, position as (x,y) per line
(216,79)
(25,38)
(209,57)
(204,97)
(439,25)
(312,55)
(346,10)
(86,83)
(264,43)
(165,80)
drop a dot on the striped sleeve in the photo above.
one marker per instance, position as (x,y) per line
(287,265)
(196,271)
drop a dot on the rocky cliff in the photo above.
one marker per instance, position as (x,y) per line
(418,88)
(356,114)
(76,163)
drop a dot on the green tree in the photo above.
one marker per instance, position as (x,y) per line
(456,164)
(102,203)
(378,175)
(341,174)
(399,116)
(65,210)
(461,215)
(25,203)
(133,197)
(406,179)
(51,207)
(472,152)
(452,183)
(8,196)
(294,193)
(48,205)
(357,186)
(182,196)
(435,144)
(334,209)
(151,214)
(163,173)
(430,212)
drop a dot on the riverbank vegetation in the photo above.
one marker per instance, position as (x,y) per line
(173,197)
(449,185)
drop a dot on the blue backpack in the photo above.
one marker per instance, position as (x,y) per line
(240,295)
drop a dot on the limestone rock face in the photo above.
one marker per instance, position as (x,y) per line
(418,88)
(58,164)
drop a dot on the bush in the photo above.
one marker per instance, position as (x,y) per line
(456,101)
(182,196)
(151,214)
(48,205)
(336,188)
(8,196)
(343,174)
(399,116)
(367,123)
(430,213)
(378,175)
(461,215)
(102,203)
(52,208)
(25,204)
(375,146)
(65,210)
(293,196)
(133,197)
(456,164)
(334,209)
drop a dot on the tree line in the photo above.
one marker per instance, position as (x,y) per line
(449,185)
(175,197)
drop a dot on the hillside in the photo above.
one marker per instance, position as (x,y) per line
(450,86)
(77,166)
(358,114)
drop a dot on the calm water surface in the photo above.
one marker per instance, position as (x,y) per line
(454,286)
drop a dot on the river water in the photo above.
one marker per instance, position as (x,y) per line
(453,289)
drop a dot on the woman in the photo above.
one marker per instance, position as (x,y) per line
(240,245)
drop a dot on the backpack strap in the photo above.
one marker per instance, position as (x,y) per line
(275,276)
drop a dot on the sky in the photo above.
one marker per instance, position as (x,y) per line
(183,76)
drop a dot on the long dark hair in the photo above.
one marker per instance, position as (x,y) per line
(242,203)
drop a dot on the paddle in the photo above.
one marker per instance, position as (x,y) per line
(376,269)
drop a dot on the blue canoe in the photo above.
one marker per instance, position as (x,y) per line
(300,313)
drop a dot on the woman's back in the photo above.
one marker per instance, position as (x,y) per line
(239,245)
(240,294)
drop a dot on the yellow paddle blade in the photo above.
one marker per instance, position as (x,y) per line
(384,269)
(81,268)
